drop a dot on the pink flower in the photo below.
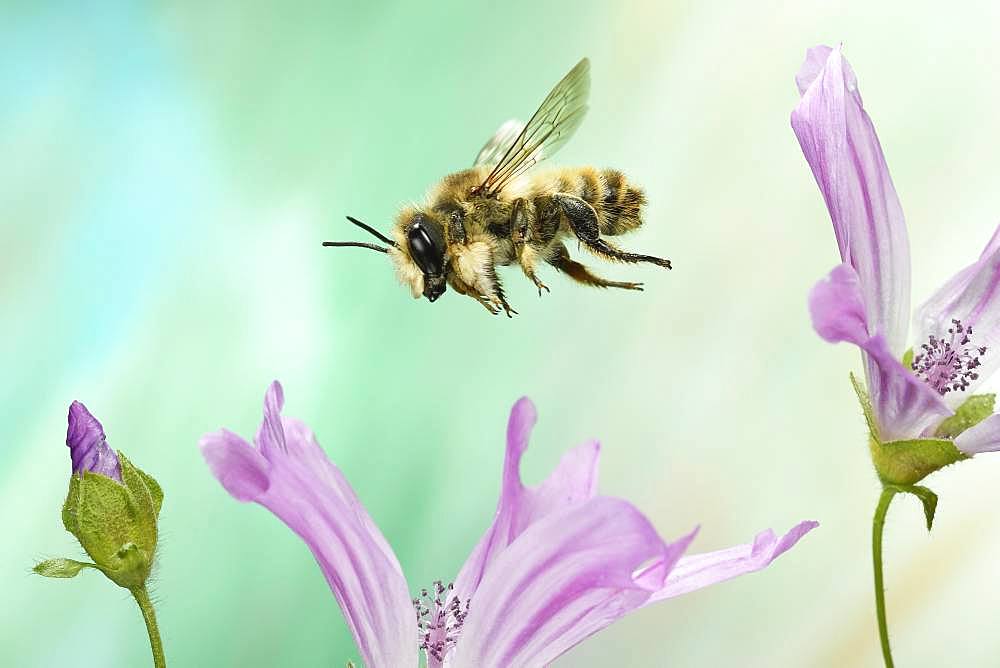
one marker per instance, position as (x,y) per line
(559,563)
(866,299)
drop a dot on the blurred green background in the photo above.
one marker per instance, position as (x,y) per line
(168,170)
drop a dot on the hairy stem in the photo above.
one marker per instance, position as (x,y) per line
(149,615)
(877,525)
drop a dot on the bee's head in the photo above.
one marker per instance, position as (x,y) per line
(421,240)
(418,252)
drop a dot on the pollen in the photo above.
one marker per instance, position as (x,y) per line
(949,364)
(440,617)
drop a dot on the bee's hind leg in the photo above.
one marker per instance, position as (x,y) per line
(561,260)
(582,220)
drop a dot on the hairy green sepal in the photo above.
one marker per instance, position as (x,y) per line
(901,464)
(116,523)
(908,462)
(61,568)
(905,463)
(976,408)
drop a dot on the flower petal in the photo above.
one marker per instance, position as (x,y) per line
(837,307)
(905,407)
(983,437)
(88,447)
(240,468)
(567,576)
(811,67)
(842,148)
(572,482)
(292,477)
(701,570)
(973,297)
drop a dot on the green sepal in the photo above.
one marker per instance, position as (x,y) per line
(928,499)
(116,523)
(909,462)
(973,410)
(866,406)
(906,463)
(154,489)
(69,507)
(61,568)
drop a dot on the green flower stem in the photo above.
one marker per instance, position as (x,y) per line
(148,614)
(877,525)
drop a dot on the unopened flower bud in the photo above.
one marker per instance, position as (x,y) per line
(111,507)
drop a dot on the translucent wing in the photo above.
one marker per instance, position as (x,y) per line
(493,151)
(553,124)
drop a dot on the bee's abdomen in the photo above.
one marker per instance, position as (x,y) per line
(618,203)
(619,209)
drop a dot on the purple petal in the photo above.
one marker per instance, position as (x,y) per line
(983,437)
(904,406)
(840,144)
(572,482)
(567,576)
(701,570)
(270,435)
(291,476)
(971,296)
(812,67)
(236,464)
(88,448)
(837,307)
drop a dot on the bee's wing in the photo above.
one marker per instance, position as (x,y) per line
(558,117)
(493,151)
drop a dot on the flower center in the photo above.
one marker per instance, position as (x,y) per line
(440,616)
(949,364)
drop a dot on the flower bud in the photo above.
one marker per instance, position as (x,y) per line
(88,447)
(111,507)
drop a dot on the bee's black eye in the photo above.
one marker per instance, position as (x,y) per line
(426,247)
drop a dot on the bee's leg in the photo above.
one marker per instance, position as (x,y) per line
(582,220)
(462,288)
(526,246)
(528,258)
(499,299)
(520,232)
(487,284)
(485,302)
(560,259)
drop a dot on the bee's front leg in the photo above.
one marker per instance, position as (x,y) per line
(494,292)
(474,268)
(463,288)
(485,302)
(493,289)
(505,306)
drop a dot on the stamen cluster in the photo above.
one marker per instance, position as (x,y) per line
(440,617)
(949,365)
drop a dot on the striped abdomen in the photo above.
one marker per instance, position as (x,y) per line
(617,202)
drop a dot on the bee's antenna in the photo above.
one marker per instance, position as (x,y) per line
(373,231)
(359,244)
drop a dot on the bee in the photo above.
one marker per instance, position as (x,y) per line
(497,212)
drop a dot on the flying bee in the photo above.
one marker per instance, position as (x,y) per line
(497,213)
